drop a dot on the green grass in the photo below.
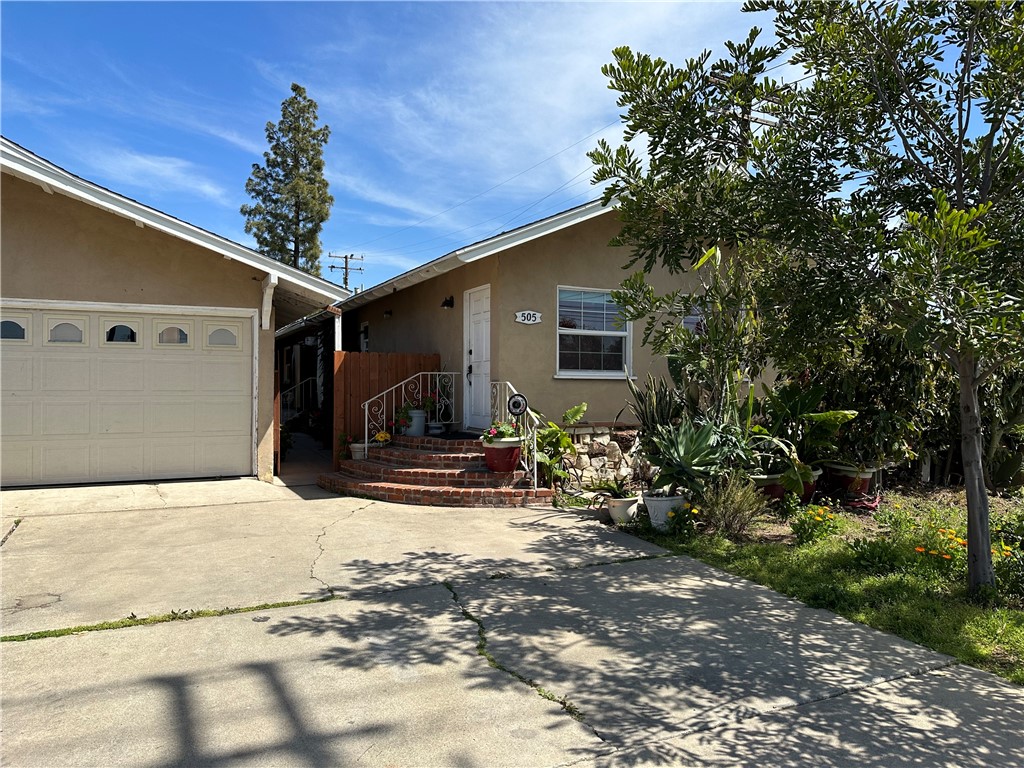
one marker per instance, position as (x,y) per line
(163,618)
(920,599)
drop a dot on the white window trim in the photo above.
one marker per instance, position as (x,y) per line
(162,323)
(627,351)
(25,321)
(135,323)
(51,321)
(235,328)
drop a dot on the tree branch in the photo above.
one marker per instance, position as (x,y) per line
(940,142)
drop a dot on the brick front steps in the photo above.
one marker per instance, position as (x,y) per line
(432,471)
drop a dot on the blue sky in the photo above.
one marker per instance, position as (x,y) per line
(450,122)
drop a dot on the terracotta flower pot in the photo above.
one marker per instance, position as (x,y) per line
(502,455)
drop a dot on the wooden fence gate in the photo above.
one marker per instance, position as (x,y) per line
(358,376)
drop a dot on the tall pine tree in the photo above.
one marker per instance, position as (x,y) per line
(290,194)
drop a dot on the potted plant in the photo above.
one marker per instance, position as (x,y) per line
(345,443)
(502,446)
(686,456)
(792,437)
(615,495)
(381,439)
(864,447)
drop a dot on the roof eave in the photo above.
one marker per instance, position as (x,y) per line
(30,167)
(477,251)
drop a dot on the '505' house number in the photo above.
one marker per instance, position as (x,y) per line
(527,316)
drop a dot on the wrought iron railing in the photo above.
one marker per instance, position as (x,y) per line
(439,386)
(299,398)
(501,393)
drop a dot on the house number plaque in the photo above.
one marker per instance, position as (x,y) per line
(528,317)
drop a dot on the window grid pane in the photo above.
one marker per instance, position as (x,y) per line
(598,344)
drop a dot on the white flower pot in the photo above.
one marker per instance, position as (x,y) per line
(358,451)
(418,423)
(622,510)
(658,508)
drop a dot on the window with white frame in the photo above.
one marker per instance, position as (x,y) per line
(593,339)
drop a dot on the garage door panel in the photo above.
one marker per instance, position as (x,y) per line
(65,462)
(16,418)
(224,376)
(227,455)
(100,411)
(119,458)
(65,417)
(222,415)
(65,374)
(120,375)
(172,375)
(121,417)
(170,416)
(173,458)
(16,462)
(16,374)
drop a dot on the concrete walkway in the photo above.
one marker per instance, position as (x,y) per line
(459,638)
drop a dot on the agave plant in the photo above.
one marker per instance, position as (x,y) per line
(687,456)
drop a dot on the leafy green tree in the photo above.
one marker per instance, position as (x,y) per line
(887,184)
(290,193)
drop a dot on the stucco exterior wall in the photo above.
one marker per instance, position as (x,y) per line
(57,248)
(522,278)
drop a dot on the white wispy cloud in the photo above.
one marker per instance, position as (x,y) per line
(523,83)
(154,173)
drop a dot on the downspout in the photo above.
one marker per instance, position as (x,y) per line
(269,284)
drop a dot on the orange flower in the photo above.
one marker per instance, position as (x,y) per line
(947,557)
(919,549)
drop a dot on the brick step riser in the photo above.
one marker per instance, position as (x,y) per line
(436,496)
(463,478)
(407,457)
(436,444)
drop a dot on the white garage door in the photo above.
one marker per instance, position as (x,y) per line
(104,396)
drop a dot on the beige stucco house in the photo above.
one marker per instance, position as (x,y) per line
(530,306)
(134,346)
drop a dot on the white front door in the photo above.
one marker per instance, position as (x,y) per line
(477,399)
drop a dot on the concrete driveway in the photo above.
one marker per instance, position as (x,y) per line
(457,638)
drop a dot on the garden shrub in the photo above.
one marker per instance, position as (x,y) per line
(731,504)
(813,523)
(880,555)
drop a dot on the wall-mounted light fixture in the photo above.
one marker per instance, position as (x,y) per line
(448,303)
(387,314)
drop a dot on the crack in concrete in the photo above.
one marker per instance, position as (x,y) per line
(160,494)
(7,535)
(320,546)
(481,648)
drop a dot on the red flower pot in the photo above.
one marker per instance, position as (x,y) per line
(502,455)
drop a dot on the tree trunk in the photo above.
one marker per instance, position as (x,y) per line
(979,539)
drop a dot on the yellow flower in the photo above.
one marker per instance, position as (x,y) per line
(695,511)
(932,552)
(819,519)
(831,517)
(686,505)
(671,513)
